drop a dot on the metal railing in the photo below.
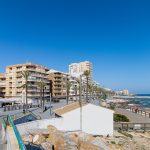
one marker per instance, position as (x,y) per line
(17,135)
(3,123)
(131,126)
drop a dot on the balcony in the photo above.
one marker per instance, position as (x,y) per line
(57,89)
(36,70)
(2,83)
(19,75)
(57,81)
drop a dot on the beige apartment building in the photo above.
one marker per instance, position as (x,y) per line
(2,85)
(14,80)
(77,69)
(59,80)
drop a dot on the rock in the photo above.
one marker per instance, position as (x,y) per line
(54,136)
(59,144)
(88,146)
(121,141)
(74,137)
(38,139)
(51,129)
(98,142)
(69,147)
(46,146)
(85,137)
(56,139)
(27,138)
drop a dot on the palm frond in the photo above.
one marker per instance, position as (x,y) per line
(41,84)
(25,74)
(23,86)
(86,73)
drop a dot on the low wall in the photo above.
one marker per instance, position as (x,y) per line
(41,124)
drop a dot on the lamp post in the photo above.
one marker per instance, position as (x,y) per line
(80,101)
(50,100)
(44,88)
(50,104)
(76,92)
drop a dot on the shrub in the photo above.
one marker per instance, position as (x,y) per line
(113,142)
(120,118)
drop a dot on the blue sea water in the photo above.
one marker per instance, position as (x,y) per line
(144,99)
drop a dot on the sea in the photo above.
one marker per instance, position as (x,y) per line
(143,99)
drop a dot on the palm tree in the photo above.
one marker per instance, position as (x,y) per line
(90,88)
(26,75)
(79,81)
(75,88)
(68,86)
(95,90)
(41,86)
(103,94)
(87,74)
(78,88)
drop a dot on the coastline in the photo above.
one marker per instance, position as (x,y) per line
(131,96)
(142,100)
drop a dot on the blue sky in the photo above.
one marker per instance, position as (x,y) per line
(114,35)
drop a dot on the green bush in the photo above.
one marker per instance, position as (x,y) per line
(120,118)
(113,142)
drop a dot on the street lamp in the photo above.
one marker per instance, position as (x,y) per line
(44,88)
(80,101)
(76,92)
(50,100)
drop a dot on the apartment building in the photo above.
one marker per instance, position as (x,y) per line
(59,80)
(77,69)
(14,80)
(74,89)
(2,85)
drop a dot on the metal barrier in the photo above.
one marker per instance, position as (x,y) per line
(132,126)
(17,135)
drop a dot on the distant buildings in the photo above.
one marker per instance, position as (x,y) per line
(77,69)
(123,92)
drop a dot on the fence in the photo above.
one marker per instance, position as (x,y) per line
(132,126)
(18,107)
(140,112)
(17,135)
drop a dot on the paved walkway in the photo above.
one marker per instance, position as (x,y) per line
(133,117)
(2,145)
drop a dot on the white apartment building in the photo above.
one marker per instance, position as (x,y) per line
(123,92)
(77,69)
